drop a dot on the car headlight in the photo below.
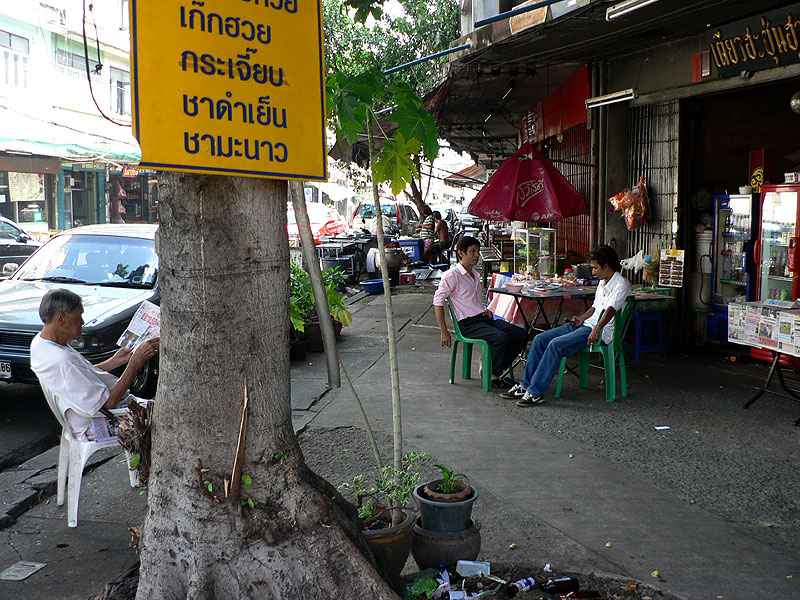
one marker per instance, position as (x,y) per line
(104,340)
(87,342)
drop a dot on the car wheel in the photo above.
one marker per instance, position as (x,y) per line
(146,380)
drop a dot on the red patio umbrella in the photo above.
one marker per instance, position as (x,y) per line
(527,187)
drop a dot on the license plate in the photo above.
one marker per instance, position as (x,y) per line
(5,369)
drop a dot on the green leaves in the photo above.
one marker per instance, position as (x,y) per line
(135,460)
(395,163)
(425,586)
(365,8)
(351,103)
(247,480)
(350,99)
(413,119)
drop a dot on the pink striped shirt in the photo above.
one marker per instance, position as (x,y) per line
(464,291)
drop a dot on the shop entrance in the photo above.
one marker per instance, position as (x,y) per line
(80,199)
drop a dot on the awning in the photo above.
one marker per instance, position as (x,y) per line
(66,135)
(511,67)
(467,177)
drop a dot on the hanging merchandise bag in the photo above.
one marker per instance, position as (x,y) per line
(633,204)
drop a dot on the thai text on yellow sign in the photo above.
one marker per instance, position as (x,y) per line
(230,86)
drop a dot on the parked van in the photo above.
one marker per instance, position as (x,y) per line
(398,217)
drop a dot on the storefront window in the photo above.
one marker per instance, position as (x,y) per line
(14,50)
(27,201)
(120,91)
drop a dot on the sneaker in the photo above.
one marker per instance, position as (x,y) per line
(515,393)
(530,400)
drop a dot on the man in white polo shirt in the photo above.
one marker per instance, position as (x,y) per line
(549,347)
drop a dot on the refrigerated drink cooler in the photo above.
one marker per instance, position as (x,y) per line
(733,267)
(778,270)
(735,233)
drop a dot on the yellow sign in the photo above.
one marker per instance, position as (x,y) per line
(230,87)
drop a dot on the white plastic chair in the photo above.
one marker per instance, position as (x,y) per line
(72,457)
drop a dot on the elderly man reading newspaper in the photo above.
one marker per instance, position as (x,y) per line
(84,388)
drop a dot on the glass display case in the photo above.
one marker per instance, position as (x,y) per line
(534,251)
(778,273)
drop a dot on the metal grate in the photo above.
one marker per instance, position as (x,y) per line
(654,156)
(16,340)
(571,157)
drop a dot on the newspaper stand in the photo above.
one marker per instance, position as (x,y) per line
(772,325)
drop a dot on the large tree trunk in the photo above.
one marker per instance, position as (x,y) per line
(225,324)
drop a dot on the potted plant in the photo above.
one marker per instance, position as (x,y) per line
(301,303)
(303,312)
(383,508)
(452,487)
(445,504)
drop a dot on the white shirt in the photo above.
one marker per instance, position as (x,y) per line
(611,294)
(82,388)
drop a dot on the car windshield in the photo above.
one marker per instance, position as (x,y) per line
(8,231)
(367,210)
(94,260)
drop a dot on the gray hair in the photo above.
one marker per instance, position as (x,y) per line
(56,301)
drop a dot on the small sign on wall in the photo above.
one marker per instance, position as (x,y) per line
(670,268)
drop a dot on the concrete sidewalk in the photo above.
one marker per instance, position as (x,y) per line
(560,480)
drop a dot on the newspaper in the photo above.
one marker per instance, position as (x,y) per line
(145,325)
(103,429)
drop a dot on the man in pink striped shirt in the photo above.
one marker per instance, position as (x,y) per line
(462,286)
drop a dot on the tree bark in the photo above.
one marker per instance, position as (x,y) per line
(224,276)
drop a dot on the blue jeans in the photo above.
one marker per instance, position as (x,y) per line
(547,350)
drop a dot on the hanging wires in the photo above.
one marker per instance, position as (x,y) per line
(99,66)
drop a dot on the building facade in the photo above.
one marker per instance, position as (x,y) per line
(65,110)
(683,94)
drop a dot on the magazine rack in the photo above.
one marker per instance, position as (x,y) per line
(72,457)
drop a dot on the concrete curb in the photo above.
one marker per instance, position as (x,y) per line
(24,486)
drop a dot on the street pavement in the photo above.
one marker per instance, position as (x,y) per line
(27,427)
(577,482)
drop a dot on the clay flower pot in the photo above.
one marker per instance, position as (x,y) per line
(449,497)
(392,545)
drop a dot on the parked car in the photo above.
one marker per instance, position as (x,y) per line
(15,244)
(399,217)
(468,220)
(113,268)
(324,221)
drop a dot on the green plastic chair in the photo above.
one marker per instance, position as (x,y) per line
(466,367)
(609,351)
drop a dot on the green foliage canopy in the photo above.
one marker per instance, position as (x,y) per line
(354,45)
